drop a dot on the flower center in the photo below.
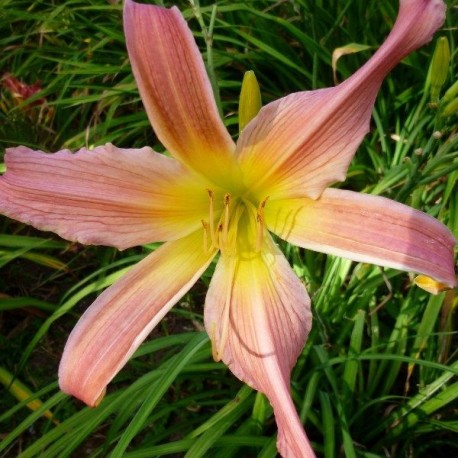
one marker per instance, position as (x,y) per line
(235,225)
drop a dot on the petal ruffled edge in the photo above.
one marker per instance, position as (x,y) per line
(119,320)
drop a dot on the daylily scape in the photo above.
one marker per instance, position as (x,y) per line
(216,196)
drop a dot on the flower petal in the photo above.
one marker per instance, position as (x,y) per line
(257,314)
(300,144)
(107,196)
(122,316)
(366,228)
(175,89)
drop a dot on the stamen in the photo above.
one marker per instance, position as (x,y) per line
(205,226)
(221,243)
(212,219)
(260,224)
(262,205)
(260,235)
(227,201)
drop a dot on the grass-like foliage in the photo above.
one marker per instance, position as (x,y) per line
(377,376)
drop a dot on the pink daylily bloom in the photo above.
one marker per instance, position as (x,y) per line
(214,196)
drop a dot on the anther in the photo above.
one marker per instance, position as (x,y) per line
(262,205)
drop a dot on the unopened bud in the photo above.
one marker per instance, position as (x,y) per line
(451,92)
(451,108)
(439,67)
(250,99)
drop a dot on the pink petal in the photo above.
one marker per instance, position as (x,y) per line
(257,314)
(175,89)
(108,196)
(300,144)
(122,316)
(366,228)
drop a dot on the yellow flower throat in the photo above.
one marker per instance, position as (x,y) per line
(236,227)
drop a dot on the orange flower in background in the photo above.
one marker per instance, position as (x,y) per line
(214,196)
(16,95)
(21,91)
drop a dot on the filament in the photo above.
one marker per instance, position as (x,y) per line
(260,224)
(220,237)
(227,201)
(260,232)
(212,219)
(205,226)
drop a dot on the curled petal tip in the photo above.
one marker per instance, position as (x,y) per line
(420,19)
(300,144)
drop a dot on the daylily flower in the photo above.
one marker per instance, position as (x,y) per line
(21,91)
(16,92)
(213,196)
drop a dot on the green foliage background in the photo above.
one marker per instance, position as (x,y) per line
(377,377)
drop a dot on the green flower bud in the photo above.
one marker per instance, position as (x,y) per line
(451,108)
(250,99)
(451,92)
(439,67)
